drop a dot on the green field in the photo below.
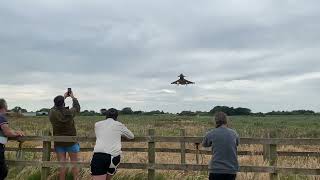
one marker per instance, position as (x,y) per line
(170,125)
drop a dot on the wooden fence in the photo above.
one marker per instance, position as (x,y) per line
(269,153)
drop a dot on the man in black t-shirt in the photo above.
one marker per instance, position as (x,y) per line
(5,132)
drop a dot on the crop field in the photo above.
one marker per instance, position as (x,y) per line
(170,125)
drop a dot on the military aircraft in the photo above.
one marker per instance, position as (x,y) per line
(182,81)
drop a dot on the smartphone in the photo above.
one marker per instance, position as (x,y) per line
(69,91)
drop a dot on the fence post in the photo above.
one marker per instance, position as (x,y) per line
(266,149)
(183,147)
(151,155)
(46,152)
(197,152)
(20,155)
(270,155)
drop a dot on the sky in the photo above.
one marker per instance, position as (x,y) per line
(263,55)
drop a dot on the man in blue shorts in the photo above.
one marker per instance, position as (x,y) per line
(62,120)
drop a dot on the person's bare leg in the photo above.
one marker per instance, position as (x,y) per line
(102,177)
(109,177)
(62,170)
(75,169)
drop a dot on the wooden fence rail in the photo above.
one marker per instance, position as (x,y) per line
(187,151)
(269,153)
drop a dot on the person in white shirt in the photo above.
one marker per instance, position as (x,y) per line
(107,151)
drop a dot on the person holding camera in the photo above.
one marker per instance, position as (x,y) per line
(224,141)
(5,132)
(107,151)
(62,120)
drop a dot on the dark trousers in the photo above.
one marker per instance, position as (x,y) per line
(222,176)
(3,166)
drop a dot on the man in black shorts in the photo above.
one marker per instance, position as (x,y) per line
(107,151)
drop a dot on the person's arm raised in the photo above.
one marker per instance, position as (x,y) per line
(75,105)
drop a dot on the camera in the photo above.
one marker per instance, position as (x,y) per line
(69,91)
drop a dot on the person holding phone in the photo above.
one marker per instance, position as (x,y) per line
(62,120)
(5,132)
(224,141)
(107,151)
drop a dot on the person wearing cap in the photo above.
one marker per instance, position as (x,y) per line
(62,120)
(107,150)
(224,141)
(5,132)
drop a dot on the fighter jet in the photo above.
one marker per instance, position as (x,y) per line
(182,81)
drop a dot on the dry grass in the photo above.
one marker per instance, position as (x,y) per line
(168,127)
(174,158)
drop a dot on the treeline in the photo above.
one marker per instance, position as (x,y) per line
(295,112)
(129,111)
(230,111)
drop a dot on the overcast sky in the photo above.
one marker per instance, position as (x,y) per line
(263,54)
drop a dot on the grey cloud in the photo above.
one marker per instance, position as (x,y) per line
(119,48)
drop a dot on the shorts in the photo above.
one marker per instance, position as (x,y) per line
(103,163)
(214,176)
(71,149)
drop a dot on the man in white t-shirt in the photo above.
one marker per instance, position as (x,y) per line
(107,151)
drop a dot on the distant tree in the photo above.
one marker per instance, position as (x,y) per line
(16,109)
(187,113)
(126,110)
(84,113)
(259,114)
(103,111)
(156,112)
(303,112)
(137,112)
(230,111)
(93,113)
(294,112)
(242,111)
(89,113)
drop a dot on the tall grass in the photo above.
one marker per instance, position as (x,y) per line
(170,125)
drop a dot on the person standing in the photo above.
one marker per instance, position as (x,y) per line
(107,151)
(62,120)
(224,141)
(5,132)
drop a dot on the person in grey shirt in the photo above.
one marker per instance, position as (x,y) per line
(224,141)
